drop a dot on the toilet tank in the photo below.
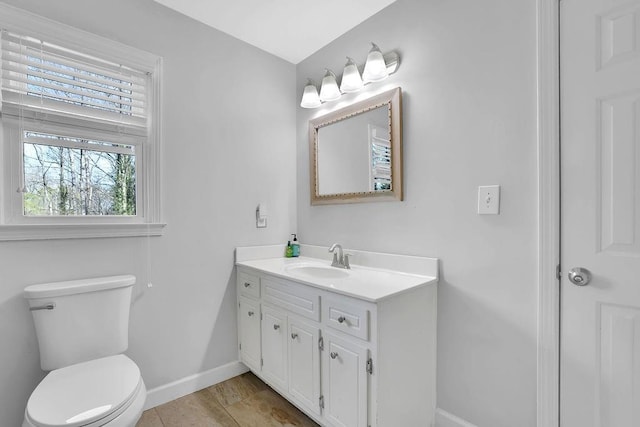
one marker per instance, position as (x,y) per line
(80,320)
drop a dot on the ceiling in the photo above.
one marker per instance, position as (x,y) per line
(290,29)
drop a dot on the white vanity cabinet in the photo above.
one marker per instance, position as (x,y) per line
(345,361)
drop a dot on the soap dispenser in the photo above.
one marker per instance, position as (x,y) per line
(288,252)
(295,246)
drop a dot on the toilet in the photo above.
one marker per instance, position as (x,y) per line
(82,328)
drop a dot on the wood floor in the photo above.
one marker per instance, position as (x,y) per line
(243,401)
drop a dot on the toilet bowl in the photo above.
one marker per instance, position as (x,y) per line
(82,330)
(102,392)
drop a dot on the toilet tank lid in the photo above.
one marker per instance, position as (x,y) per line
(70,287)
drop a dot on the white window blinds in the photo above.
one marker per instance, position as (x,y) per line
(380,153)
(40,79)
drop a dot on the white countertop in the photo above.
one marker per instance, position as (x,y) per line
(367,283)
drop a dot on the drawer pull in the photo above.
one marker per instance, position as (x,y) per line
(250,313)
(276,327)
(294,336)
(247,284)
(341,319)
(333,354)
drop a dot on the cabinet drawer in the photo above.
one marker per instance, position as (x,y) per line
(348,318)
(248,284)
(295,298)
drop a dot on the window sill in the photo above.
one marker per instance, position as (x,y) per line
(78,231)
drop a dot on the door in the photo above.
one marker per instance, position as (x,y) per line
(274,346)
(249,324)
(344,370)
(304,364)
(600,219)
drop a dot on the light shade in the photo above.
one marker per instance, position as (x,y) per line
(351,80)
(310,98)
(329,90)
(375,68)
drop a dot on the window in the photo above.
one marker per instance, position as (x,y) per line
(80,133)
(74,176)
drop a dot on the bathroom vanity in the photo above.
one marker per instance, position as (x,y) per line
(350,348)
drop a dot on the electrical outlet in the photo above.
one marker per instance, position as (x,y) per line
(489,200)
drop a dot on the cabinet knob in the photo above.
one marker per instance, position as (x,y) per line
(276,327)
(294,336)
(247,284)
(341,319)
(333,354)
(250,313)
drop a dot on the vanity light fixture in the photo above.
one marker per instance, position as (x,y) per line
(310,98)
(329,90)
(375,69)
(378,67)
(351,79)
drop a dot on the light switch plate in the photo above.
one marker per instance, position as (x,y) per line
(261,216)
(489,200)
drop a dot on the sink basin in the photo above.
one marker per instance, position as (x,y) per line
(317,271)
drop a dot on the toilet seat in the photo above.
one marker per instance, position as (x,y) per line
(86,394)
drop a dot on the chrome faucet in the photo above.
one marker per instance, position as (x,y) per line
(340,259)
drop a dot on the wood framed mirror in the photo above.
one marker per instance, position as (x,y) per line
(356,152)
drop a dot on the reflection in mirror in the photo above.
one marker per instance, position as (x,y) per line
(356,152)
(354,155)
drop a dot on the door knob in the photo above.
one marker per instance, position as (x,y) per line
(579,276)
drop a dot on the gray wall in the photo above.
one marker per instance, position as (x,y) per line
(467,72)
(229,143)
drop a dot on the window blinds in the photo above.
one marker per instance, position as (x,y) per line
(40,77)
(380,159)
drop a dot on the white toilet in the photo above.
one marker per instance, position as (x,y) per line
(82,327)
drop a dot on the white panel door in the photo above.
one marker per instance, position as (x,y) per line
(600,220)
(304,364)
(249,325)
(344,382)
(274,346)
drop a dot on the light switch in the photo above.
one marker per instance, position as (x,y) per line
(261,216)
(489,200)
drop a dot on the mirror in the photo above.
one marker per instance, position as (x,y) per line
(356,152)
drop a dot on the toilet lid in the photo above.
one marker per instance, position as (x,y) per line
(80,394)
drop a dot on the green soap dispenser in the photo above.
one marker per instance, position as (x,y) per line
(295,246)
(288,252)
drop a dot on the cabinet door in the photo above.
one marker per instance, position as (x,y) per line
(304,364)
(274,346)
(344,382)
(249,332)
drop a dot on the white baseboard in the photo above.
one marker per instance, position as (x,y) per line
(176,389)
(445,419)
